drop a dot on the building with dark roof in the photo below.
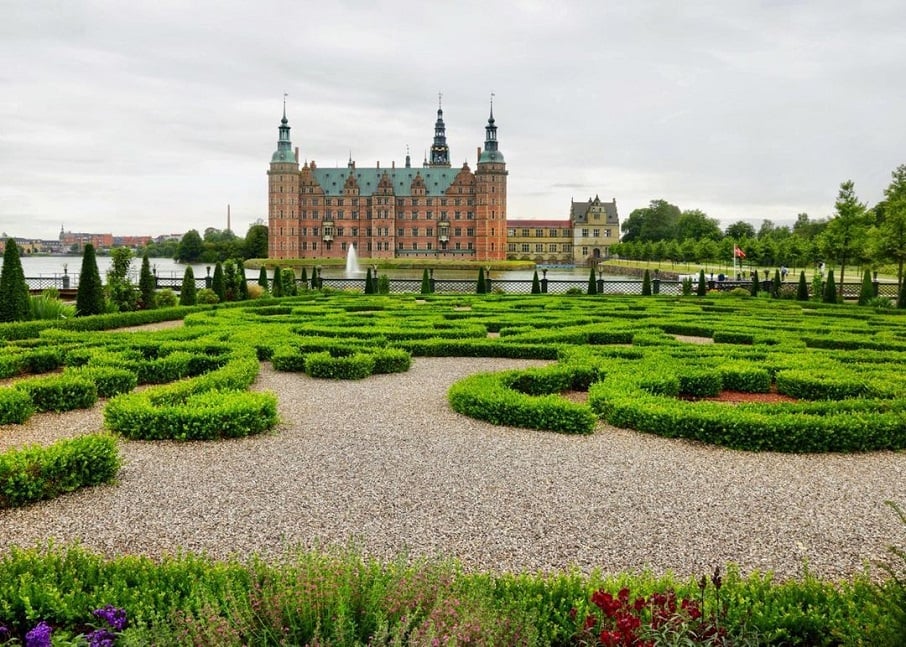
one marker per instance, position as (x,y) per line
(432,211)
(585,237)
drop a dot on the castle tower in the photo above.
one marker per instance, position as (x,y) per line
(440,152)
(490,195)
(283,196)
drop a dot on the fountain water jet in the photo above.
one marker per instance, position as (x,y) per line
(352,261)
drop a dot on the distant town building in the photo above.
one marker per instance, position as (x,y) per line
(586,236)
(78,240)
(432,211)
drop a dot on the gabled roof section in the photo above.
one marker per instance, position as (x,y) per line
(437,180)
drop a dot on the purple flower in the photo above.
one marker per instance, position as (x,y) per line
(114,616)
(5,634)
(101,638)
(39,636)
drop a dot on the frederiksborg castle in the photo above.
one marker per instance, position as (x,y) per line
(427,211)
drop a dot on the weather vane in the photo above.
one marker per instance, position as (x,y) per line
(440,96)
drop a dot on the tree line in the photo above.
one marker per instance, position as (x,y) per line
(213,246)
(855,235)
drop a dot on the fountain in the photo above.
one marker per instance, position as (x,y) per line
(352,261)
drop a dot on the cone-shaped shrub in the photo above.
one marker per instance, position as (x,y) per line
(242,282)
(592,283)
(867,293)
(277,283)
(262,277)
(482,286)
(188,291)
(901,296)
(646,283)
(315,279)
(289,282)
(775,285)
(755,283)
(426,282)
(90,296)
(218,282)
(15,301)
(802,289)
(303,279)
(702,288)
(369,282)
(146,284)
(536,284)
(830,289)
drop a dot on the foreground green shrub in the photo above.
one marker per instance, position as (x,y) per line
(350,367)
(35,473)
(486,396)
(206,415)
(343,598)
(15,406)
(60,393)
(108,380)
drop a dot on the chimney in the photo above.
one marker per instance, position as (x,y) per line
(297,154)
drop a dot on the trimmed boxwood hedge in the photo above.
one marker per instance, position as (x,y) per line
(489,397)
(60,392)
(35,473)
(15,406)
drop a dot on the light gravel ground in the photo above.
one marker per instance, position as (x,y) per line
(384,464)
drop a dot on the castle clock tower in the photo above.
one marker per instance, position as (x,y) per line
(490,195)
(283,197)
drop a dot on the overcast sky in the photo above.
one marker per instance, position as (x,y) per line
(151,117)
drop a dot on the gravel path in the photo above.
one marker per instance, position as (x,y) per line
(385,465)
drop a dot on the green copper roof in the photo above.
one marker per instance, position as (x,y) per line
(490,156)
(437,179)
(283,156)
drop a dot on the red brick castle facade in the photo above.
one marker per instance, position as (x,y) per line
(431,211)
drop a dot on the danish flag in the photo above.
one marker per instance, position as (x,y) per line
(738,253)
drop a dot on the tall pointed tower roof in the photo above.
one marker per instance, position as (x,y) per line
(284,153)
(491,153)
(440,152)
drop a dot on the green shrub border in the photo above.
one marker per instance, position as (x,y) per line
(35,472)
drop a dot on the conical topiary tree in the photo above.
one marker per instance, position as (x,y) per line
(369,282)
(262,278)
(702,288)
(315,281)
(146,284)
(426,282)
(536,284)
(90,296)
(218,282)
(646,283)
(15,301)
(242,283)
(303,279)
(755,283)
(289,282)
(830,289)
(867,293)
(188,291)
(482,285)
(277,282)
(775,285)
(802,288)
(592,283)
(231,290)
(901,295)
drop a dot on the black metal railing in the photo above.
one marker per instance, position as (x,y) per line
(70,282)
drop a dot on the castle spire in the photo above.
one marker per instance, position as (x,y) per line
(440,152)
(284,152)
(491,152)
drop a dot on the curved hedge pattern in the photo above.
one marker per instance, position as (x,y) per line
(35,473)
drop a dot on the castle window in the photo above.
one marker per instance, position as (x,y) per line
(511,232)
(457,215)
(414,245)
(457,231)
(343,246)
(400,232)
(525,234)
(607,233)
(415,231)
(470,231)
(552,247)
(525,247)
(430,246)
(511,247)
(429,231)
(429,215)
(539,247)
(469,246)
(539,233)
(585,233)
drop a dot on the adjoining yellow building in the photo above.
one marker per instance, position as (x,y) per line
(586,237)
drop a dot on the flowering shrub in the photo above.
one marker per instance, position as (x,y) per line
(40,635)
(660,618)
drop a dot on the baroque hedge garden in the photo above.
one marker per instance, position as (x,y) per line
(830,376)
